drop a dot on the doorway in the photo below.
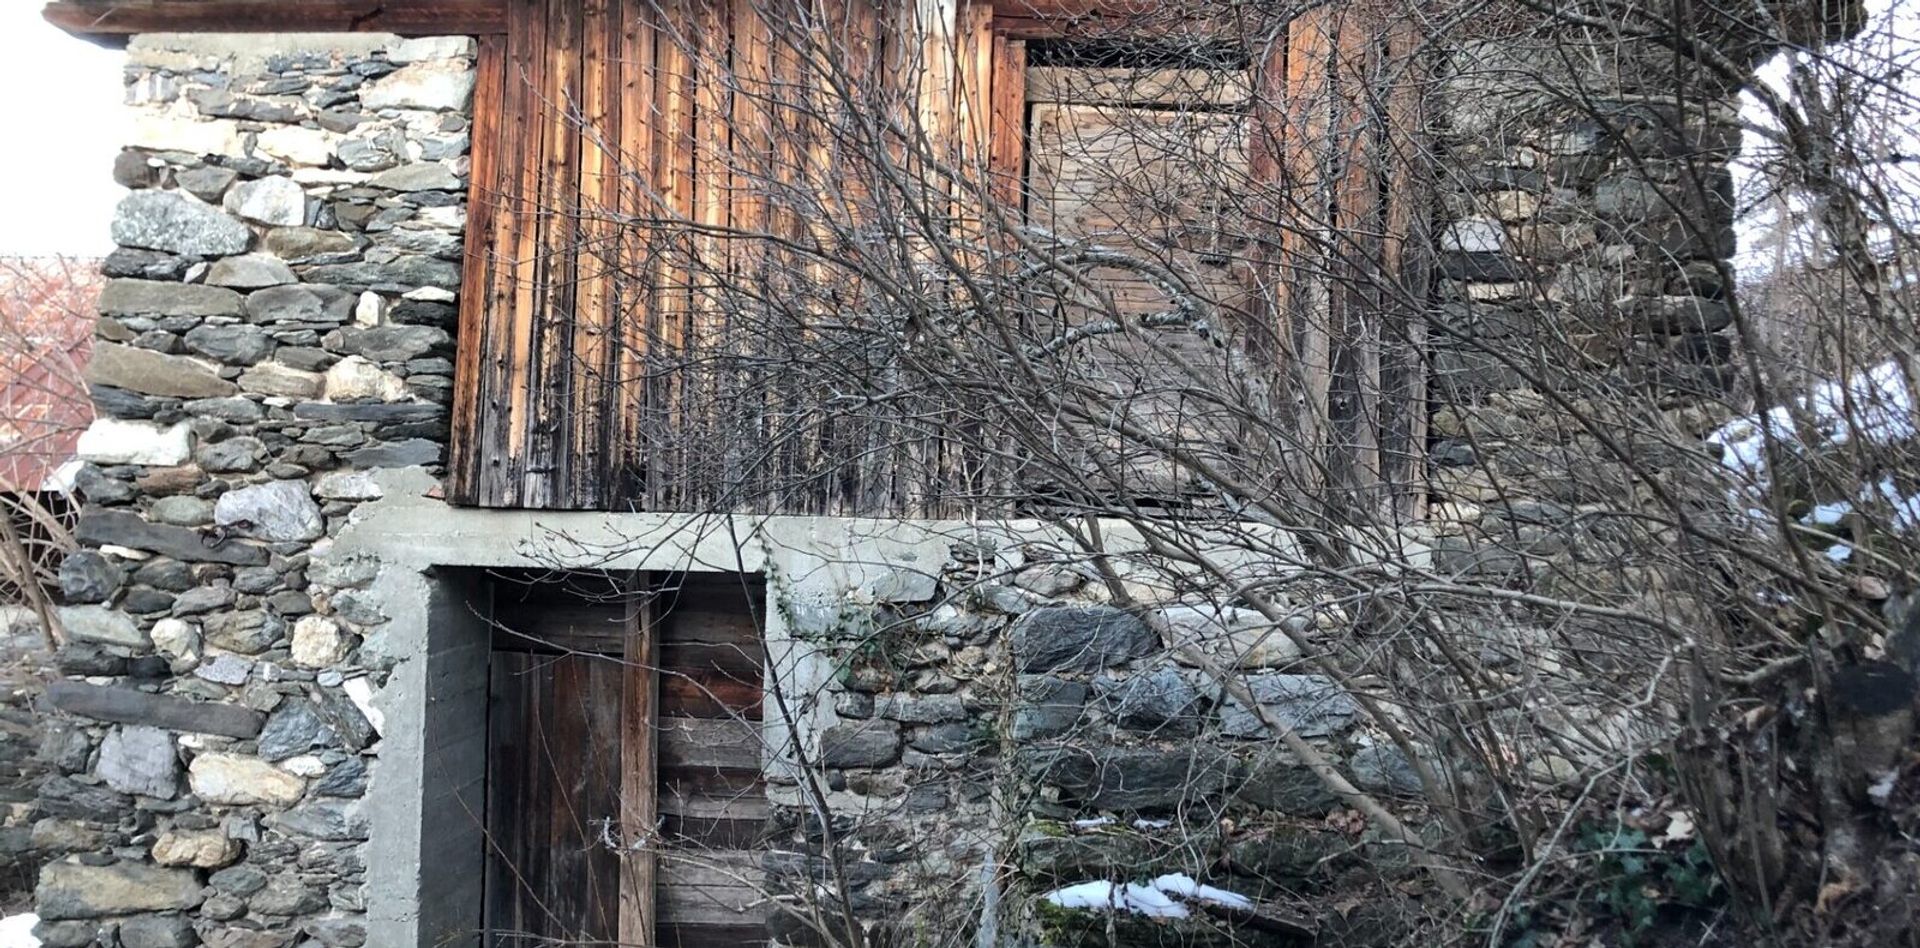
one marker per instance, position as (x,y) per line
(625,797)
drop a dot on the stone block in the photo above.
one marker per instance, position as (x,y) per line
(235,780)
(127,706)
(435,85)
(113,441)
(274,201)
(278,511)
(102,626)
(124,528)
(1079,638)
(1307,705)
(69,890)
(159,298)
(139,759)
(154,373)
(175,223)
(853,744)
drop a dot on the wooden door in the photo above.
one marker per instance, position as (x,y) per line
(1142,167)
(625,799)
(712,793)
(553,799)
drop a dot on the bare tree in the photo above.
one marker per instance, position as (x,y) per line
(46,308)
(1431,362)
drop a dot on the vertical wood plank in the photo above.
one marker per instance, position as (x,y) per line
(1007,149)
(1406,245)
(592,368)
(1305,302)
(470,419)
(675,181)
(634,303)
(550,456)
(1354,323)
(520,376)
(639,798)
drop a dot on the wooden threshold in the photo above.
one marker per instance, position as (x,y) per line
(109,22)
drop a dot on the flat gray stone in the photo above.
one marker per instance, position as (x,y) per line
(250,272)
(275,201)
(154,373)
(1079,638)
(127,706)
(102,625)
(423,176)
(71,890)
(1308,705)
(295,303)
(232,343)
(124,528)
(1048,707)
(173,222)
(163,298)
(860,744)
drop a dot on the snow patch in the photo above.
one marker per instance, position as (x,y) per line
(1126,897)
(16,931)
(1184,886)
(1161,898)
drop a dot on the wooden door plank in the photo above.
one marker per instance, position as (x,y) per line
(1007,151)
(639,779)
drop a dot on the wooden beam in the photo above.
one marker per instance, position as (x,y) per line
(113,20)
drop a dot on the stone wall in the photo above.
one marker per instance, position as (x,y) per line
(1580,339)
(277,324)
(1013,733)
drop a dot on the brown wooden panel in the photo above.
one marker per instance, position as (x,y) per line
(712,936)
(1210,89)
(611,367)
(685,695)
(720,743)
(725,888)
(558,624)
(553,788)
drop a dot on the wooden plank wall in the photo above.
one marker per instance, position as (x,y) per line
(1337,161)
(712,791)
(643,167)
(639,164)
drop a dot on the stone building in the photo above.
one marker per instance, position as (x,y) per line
(364,651)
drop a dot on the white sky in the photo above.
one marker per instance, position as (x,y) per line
(62,113)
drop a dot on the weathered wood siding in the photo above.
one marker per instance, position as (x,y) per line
(645,170)
(639,163)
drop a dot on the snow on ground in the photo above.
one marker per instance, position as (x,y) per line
(16,931)
(1161,898)
(1875,406)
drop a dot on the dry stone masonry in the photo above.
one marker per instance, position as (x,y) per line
(278,323)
